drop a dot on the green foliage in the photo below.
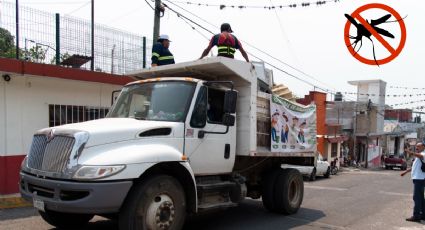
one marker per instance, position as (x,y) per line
(8,49)
(7,46)
(64,56)
(36,54)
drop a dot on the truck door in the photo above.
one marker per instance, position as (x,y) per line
(214,153)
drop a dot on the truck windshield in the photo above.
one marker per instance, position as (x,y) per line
(159,101)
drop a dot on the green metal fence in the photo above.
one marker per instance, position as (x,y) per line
(52,39)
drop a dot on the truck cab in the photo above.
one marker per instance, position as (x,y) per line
(181,139)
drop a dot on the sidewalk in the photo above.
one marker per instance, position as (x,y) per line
(13,201)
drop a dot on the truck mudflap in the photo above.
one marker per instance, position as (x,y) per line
(74,197)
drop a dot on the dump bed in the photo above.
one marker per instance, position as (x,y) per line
(253,120)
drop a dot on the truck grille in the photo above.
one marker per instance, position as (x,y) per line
(50,156)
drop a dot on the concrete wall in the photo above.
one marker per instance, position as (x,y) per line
(25,103)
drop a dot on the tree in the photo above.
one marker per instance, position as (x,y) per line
(36,54)
(7,46)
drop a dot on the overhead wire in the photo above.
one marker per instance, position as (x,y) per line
(79,8)
(292,5)
(149,5)
(259,50)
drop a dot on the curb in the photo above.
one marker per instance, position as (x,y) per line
(13,202)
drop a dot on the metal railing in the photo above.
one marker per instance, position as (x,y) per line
(43,35)
(67,114)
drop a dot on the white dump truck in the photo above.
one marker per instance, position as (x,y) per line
(182,139)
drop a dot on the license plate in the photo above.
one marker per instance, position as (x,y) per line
(397,164)
(38,204)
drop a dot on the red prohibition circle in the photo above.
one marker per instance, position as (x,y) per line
(394,52)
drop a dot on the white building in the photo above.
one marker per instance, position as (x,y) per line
(35,96)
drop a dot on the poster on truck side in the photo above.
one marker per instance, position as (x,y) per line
(293,126)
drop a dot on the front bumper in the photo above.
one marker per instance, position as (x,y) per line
(75,197)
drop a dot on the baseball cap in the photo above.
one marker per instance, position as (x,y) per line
(226,27)
(164,37)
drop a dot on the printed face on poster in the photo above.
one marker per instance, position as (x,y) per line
(293,126)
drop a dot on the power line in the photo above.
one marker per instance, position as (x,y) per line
(385,95)
(181,15)
(149,4)
(270,64)
(409,102)
(192,14)
(407,88)
(191,26)
(79,8)
(252,46)
(270,7)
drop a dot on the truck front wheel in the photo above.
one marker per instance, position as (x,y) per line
(157,203)
(289,191)
(63,220)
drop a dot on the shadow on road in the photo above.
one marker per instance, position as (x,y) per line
(251,215)
(248,215)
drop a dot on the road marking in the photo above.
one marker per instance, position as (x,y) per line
(395,193)
(325,188)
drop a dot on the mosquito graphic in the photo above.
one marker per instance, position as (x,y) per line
(363,32)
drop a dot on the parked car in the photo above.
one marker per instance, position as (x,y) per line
(395,161)
(322,168)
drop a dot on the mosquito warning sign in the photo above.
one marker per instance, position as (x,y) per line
(372,30)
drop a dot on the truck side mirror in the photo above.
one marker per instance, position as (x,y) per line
(230,98)
(228,120)
(114,96)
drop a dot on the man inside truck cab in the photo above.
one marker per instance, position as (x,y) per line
(226,42)
(161,55)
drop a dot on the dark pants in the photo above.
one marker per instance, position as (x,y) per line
(418,198)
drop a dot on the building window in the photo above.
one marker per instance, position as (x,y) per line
(67,114)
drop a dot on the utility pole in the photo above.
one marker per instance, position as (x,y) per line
(369,111)
(17,29)
(92,36)
(156,21)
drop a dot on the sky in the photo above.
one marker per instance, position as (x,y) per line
(307,42)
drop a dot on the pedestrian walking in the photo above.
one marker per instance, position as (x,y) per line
(161,55)
(226,43)
(418,178)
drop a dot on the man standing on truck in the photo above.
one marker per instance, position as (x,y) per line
(418,177)
(226,42)
(161,55)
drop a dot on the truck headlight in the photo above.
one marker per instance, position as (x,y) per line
(96,172)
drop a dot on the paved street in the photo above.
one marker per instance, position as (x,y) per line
(349,200)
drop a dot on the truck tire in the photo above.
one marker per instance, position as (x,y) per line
(289,191)
(63,220)
(313,175)
(268,187)
(157,203)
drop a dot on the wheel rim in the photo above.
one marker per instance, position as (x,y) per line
(160,213)
(293,194)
